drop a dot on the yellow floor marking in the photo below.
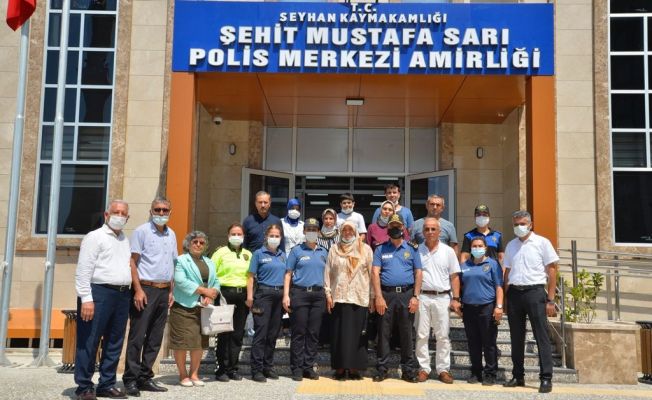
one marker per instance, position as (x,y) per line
(326,386)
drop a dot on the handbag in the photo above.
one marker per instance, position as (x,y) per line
(217,318)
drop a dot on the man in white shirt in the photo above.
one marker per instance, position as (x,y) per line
(530,266)
(440,281)
(347,202)
(102,283)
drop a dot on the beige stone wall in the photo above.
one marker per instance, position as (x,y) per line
(492,180)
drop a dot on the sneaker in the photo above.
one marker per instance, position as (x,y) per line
(258,377)
(269,373)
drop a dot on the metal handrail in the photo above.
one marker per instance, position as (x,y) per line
(612,253)
(562,321)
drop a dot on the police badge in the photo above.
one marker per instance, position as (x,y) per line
(486,267)
(406,255)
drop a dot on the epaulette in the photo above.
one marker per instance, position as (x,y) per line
(413,244)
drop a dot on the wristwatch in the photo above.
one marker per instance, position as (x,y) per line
(456,298)
(499,306)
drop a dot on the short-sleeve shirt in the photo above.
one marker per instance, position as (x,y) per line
(268,267)
(438,266)
(157,251)
(397,264)
(231,266)
(404,212)
(254,230)
(307,265)
(479,281)
(447,236)
(494,241)
(355,218)
(527,260)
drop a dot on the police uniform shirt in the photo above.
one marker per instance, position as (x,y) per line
(438,266)
(231,267)
(268,267)
(479,281)
(397,264)
(447,234)
(494,241)
(527,260)
(307,265)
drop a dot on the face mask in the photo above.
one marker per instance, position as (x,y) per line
(160,220)
(235,240)
(347,210)
(347,241)
(382,221)
(311,237)
(117,222)
(273,242)
(395,232)
(482,221)
(478,252)
(521,230)
(327,229)
(294,214)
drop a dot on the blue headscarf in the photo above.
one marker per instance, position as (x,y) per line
(292,203)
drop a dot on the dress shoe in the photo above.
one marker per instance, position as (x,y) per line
(310,374)
(514,382)
(151,386)
(112,393)
(422,376)
(545,386)
(340,375)
(354,375)
(409,377)
(258,377)
(446,377)
(86,395)
(473,379)
(221,377)
(131,389)
(488,380)
(380,376)
(234,376)
(269,373)
(297,377)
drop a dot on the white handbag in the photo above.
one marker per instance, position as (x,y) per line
(217,319)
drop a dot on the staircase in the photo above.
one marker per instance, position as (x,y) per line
(460,362)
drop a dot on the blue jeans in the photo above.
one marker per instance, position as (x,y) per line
(109,323)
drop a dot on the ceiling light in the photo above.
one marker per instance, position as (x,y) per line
(358,101)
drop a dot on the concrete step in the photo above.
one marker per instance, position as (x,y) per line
(503,345)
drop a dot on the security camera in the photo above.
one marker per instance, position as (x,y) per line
(217,120)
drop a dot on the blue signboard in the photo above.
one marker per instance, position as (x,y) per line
(388,38)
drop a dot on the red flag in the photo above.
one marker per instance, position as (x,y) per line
(19,11)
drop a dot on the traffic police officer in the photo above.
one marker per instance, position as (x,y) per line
(397,283)
(303,299)
(268,268)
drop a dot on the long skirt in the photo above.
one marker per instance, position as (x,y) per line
(349,340)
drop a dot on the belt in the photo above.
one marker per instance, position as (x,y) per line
(266,287)
(119,288)
(526,287)
(435,292)
(233,289)
(158,285)
(308,288)
(397,289)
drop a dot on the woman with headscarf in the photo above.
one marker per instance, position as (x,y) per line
(347,283)
(377,233)
(292,226)
(329,235)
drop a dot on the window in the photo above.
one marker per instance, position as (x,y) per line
(630,84)
(87,115)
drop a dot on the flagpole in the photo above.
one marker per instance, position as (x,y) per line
(42,360)
(14,187)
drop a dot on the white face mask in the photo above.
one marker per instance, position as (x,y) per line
(347,210)
(521,230)
(117,222)
(481,221)
(311,237)
(273,242)
(327,229)
(347,241)
(235,240)
(160,220)
(294,214)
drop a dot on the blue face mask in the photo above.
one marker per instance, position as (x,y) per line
(478,252)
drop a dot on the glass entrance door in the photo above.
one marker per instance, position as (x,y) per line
(418,187)
(278,184)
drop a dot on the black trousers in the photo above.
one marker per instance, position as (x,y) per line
(229,344)
(481,332)
(145,335)
(307,309)
(396,313)
(266,326)
(109,323)
(529,302)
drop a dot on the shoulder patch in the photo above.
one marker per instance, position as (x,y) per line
(413,244)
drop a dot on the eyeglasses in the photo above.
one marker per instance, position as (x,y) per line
(429,229)
(198,242)
(160,209)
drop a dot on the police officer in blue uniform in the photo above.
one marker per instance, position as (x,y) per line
(267,267)
(397,282)
(304,300)
(493,239)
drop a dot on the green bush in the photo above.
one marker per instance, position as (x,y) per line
(580,300)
